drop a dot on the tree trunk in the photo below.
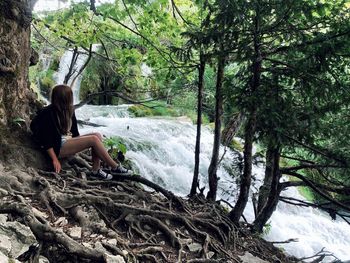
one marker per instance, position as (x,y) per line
(275,190)
(232,128)
(213,167)
(15,57)
(236,213)
(269,173)
(201,71)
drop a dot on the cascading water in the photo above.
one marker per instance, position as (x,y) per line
(162,150)
(65,63)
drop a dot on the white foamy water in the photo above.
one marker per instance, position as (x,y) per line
(162,150)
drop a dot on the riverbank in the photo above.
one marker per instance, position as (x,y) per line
(74,219)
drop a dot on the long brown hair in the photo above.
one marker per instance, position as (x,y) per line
(62,100)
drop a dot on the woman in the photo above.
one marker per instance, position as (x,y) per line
(55,128)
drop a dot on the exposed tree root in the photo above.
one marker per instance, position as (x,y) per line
(119,218)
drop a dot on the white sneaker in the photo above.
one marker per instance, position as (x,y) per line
(101,175)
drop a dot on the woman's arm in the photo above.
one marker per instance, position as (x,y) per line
(55,162)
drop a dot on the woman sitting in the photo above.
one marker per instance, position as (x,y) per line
(55,128)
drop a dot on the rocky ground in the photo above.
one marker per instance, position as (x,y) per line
(66,217)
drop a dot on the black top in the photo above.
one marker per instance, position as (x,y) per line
(45,129)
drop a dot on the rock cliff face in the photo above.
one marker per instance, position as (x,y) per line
(15,58)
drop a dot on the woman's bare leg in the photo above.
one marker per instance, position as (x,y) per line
(96,161)
(78,144)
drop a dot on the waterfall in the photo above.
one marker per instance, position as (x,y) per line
(162,150)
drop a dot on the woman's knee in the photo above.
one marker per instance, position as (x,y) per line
(95,140)
(98,135)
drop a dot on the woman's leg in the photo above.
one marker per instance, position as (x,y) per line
(96,162)
(78,144)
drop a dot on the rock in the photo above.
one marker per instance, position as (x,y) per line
(113,259)
(125,252)
(75,232)
(15,239)
(5,244)
(99,247)
(93,235)
(3,219)
(85,244)
(5,259)
(61,221)
(112,241)
(210,254)
(195,247)
(249,258)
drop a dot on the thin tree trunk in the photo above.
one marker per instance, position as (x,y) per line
(231,128)
(236,213)
(275,190)
(213,179)
(73,61)
(201,71)
(269,173)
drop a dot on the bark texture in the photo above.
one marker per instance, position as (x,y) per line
(15,58)
(201,71)
(213,167)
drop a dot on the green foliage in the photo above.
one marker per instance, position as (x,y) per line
(46,81)
(307,193)
(301,92)
(154,108)
(267,229)
(236,145)
(115,145)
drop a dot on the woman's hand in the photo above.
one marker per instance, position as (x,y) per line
(56,165)
(55,162)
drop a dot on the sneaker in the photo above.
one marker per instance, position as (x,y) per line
(101,175)
(120,170)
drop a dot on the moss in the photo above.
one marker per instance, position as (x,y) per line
(55,64)
(306,193)
(236,145)
(46,81)
(155,108)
